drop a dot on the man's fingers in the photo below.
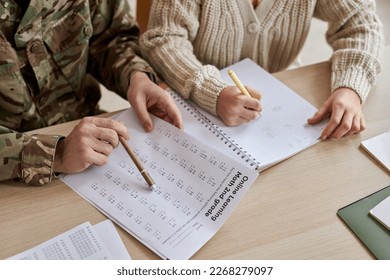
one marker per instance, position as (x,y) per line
(118,127)
(144,118)
(174,115)
(101,147)
(106,135)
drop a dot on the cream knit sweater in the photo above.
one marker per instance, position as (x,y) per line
(189,40)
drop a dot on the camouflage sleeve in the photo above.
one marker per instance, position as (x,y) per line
(114,51)
(27,158)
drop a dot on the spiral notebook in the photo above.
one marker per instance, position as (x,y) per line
(279,133)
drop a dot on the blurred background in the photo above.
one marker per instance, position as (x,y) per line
(315,49)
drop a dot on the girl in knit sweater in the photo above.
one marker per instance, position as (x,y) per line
(187,41)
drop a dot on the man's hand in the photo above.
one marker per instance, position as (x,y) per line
(346,116)
(145,96)
(89,143)
(235,108)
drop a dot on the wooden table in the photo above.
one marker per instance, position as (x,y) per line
(289,213)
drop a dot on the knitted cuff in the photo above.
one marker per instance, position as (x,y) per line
(208,86)
(355,79)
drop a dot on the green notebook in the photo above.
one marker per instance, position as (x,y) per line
(373,234)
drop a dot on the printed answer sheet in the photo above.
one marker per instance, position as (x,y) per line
(84,242)
(197,188)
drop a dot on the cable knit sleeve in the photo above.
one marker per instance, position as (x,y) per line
(168,46)
(356,36)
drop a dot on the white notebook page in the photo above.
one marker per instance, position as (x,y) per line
(280,132)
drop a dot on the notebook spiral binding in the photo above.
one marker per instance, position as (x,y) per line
(231,144)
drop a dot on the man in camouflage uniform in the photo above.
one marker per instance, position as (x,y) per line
(49,49)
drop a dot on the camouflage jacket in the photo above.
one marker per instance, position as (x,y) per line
(48,55)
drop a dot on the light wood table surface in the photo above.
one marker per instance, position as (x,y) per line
(289,213)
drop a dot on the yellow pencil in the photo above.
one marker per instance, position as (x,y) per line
(238,82)
(137,163)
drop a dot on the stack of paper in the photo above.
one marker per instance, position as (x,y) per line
(379,148)
(382,212)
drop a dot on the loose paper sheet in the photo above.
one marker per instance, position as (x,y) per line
(84,242)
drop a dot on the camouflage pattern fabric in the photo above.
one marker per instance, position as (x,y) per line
(48,56)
